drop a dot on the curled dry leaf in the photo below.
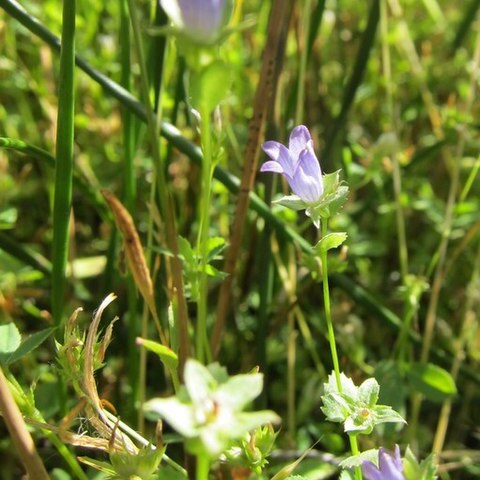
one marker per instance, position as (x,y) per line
(135,256)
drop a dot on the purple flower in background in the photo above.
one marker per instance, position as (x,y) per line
(390,466)
(200,20)
(297,163)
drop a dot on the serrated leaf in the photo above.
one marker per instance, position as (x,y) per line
(331,182)
(330,241)
(291,201)
(432,381)
(211,271)
(386,414)
(215,246)
(9,341)
(336,407)
(357,460)
(186,251)
(368,392)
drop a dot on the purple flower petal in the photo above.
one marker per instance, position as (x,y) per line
(308,187)
(201,20)
(371,472)
(299,138)
(309,162)
(279,153)
(390,466)
(272,166)
(298,164)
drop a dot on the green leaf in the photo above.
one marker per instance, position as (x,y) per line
(9,341)
(215,246)
(211,271)
(336,407)
(368,392)
(210,86)
(357,460)
(330,241)
(432,381)
(167,356)
(287,470)
(30,344)
(291,201)
(386,414)
(98,464)
(186,251)
(414,470)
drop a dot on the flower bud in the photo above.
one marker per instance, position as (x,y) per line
(199,20)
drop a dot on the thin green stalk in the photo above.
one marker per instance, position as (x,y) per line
(203,467)
(307,12)
(331,338)
(67,455)
(62,201)
(202,345)
(355,451)
(328,313)
(397,179)
(291,377)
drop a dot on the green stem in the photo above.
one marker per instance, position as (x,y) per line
(202,344)
(355,451)
(203,467)
(328,313)
(62,201)
(331,338)
(396,174)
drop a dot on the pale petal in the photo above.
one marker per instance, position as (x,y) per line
(271,166)
(307,181)
(309,163)
(299,138)
(279,153)
(201,19)
(172,9)
(308,188)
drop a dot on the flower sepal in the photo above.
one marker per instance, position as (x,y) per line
(419,470)
(356,407)
(293,202)
(333,198)
(335,194)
